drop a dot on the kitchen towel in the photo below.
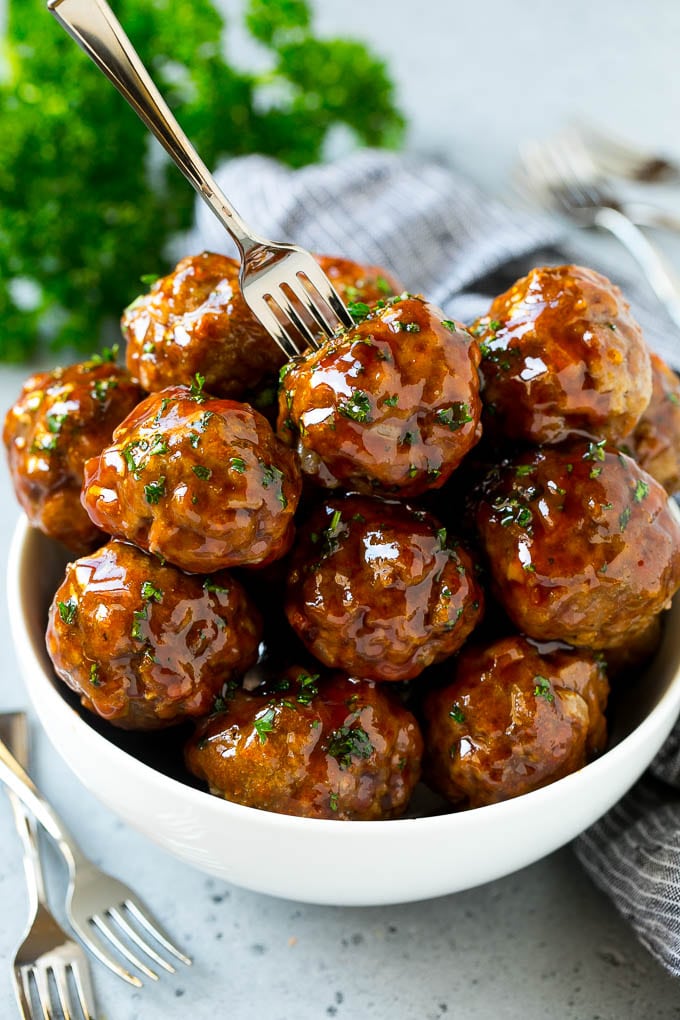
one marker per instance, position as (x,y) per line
(440,236)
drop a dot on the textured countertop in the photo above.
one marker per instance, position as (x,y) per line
(540,943)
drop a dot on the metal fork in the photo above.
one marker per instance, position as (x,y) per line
(282,284)
(46,951)
(555,175)
(101,910)
(618,157)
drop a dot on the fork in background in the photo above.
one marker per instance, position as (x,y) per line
(562,177)
(47,956)
(282,284)
(617,157)
(104,912)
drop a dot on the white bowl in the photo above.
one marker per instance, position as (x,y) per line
(343,863)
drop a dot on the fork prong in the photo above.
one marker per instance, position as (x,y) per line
(22,992)
(59,975)
(277,332)
(89,937)
(281,299)
(83,985)
(320,282)
(135,937)
(110,935)
(148,921)
(312,308)
(43,989)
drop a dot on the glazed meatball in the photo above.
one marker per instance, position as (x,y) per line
(655,442)
(379,589)
(62,418)
(516,717)
(327,747)
(201,482)
(390,406)
(145,645)
(562,357)
(195,320)
(583,545)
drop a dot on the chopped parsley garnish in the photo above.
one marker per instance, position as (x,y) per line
(391,401)
(543,689)
(524,469)
(202,472)
(204,419)
(46,445)
(441,535)
(55,420)
(595,472)
(359,518)
(67,610)
(450,325)
(148,279)
(409,327)
(454,417)
(158,445)
(383,286)
(612,326)
(101,387)
(308,687)
(149,347)
(333,802)
(270,474)
(412,471)
(210,585)
(138,617)
(346,743)
(238,464)
(359,310)
(94,675)
(150,591)
(357,407)
(512,511)
(457,713)
(595,451)
(154,490)
(674,398)
(194,439)
(196,388)
(107,356)
(131,455)
(335,520)
(264,724)
(624,517)
(641,490)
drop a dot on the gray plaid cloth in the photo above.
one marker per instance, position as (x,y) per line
(443,238)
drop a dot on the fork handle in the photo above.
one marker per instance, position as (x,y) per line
(98,32)
(658,274)
(21,784)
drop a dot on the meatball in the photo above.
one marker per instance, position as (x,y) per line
(195,320)
(145,645)
(62,418)
(655,442)
(562,357)
(516,717)
(379,589)
(583,545)
(389,406)
(201,482)
(321,748)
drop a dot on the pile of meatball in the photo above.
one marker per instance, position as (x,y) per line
(420,551)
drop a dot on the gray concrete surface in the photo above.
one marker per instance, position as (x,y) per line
(474,79)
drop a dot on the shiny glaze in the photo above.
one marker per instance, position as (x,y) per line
(408,428)
(590,547)
(515,718)
(380,590)
(62,418)
(200,481)
(563,357)
(274,750)
(195,320)
(145,645)
(655,441)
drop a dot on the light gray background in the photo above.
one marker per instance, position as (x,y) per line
(474,79)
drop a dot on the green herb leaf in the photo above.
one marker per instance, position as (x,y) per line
(210,585)
(347,743)
(454,417)
(264,724)
(359,310)
(202,472)
(238,464)
(154,490)
(457,714)
(196,388)
(543,688)
(94,675)
(357,407)
(641,490)
(151,592)
(68,610)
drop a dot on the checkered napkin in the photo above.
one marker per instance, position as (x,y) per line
(443,238)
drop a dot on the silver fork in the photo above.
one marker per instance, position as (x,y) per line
(555,176)
(282,284)
(103,912)
(46,951)
(619,157)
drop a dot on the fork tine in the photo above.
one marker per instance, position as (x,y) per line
(59,975)
(81,980)
(148,921)
(287,308)
(311,307)
(43,989)
(322,285)
(274,328)
(96,947)
(109,934)
(135,937)
(22,992)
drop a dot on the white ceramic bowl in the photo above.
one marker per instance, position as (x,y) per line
(344,863)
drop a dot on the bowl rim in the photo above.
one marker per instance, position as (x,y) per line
(432,824)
